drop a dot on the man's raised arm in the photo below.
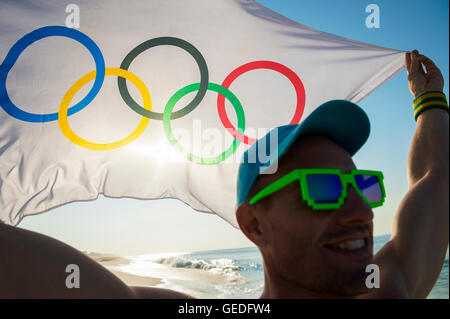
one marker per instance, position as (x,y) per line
(420,231)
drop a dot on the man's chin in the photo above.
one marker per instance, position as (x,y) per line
(347,279)
(345,284)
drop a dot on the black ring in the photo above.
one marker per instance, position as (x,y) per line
(153,43)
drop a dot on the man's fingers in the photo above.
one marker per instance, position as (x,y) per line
(414,67)
(421,70)
(408,61)
(429,64)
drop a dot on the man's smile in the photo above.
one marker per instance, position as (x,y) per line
(358,245)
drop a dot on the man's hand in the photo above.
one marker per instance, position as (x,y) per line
(419,81)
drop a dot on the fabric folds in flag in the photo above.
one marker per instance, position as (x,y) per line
(157,99)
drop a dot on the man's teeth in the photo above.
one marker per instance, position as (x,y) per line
(351,244)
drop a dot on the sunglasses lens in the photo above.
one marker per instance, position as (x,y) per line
(324,188)
(369,185)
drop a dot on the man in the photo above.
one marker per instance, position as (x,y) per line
(315,231)
(311,219)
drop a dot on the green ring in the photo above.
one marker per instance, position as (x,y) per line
(168,129)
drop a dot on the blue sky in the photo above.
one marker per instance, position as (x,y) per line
(127,226)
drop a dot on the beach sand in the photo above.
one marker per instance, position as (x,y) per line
(109,260)
(134,280)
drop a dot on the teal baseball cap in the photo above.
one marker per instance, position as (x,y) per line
(341,121)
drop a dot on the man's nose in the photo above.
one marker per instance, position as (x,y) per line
(355,210)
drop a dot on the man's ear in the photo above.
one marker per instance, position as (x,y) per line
(250,223)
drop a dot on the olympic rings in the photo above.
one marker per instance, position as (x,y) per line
(191,88)
(298,85)
(165,41)
(22,44)
(71,136)
(101,71)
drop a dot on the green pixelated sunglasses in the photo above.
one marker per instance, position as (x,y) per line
(324,188)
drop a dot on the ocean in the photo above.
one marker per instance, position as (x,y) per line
(228,273)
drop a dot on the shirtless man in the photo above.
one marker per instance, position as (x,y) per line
(315,239)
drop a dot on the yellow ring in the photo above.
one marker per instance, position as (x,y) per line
(64,106)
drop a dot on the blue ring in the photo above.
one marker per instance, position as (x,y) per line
(22,44)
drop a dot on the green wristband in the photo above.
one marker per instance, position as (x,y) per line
(429,100)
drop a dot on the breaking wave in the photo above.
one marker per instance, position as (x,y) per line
(222,266)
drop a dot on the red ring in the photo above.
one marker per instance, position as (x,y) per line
(298,85)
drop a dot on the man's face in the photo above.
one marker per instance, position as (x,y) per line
(318,250)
